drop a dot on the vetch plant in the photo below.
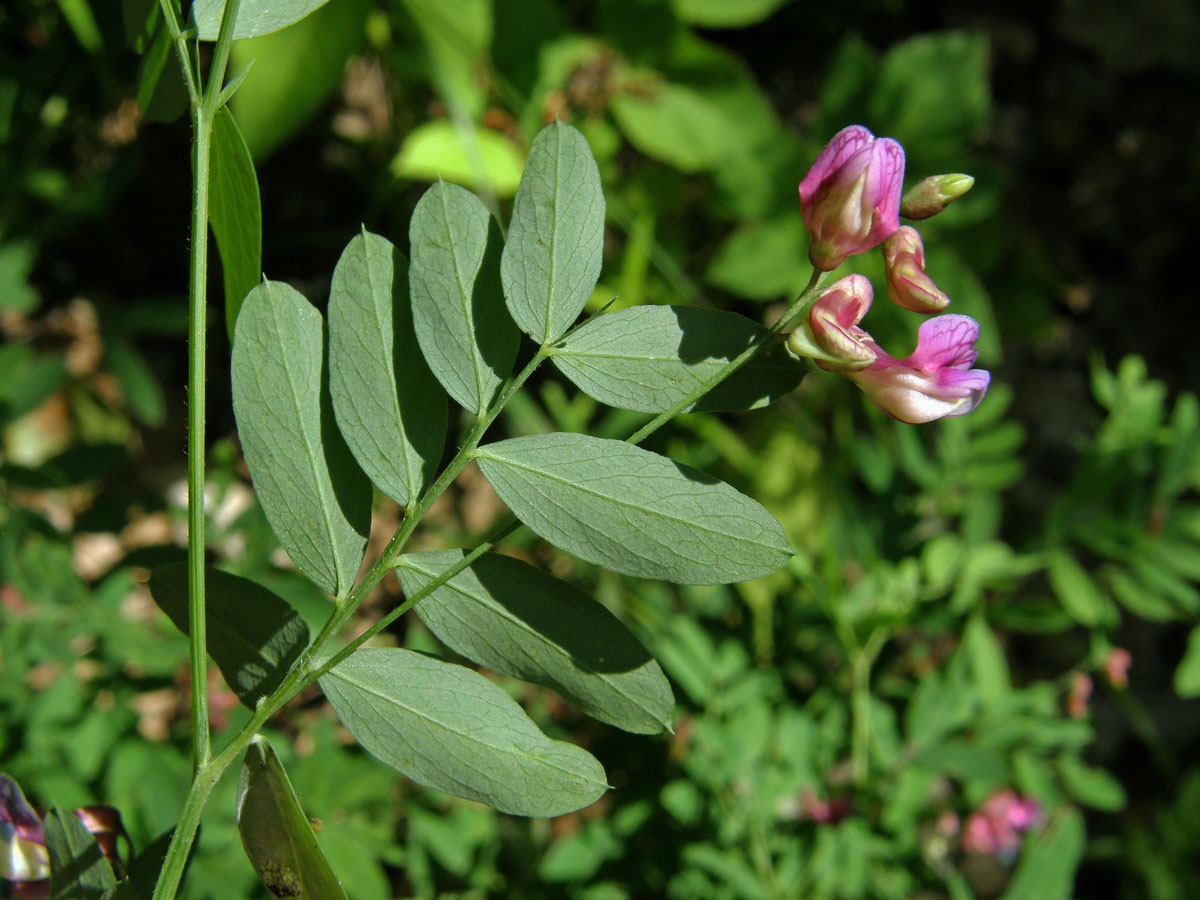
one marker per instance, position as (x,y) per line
(331,408)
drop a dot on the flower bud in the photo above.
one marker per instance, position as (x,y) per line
(929,197)
(830,334)
(1116,667)
(936,381)
(907,284)
(850,198)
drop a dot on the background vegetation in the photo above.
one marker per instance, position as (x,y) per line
(838,722)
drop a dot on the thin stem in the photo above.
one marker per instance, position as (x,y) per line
(191,76)
(734,364)
(203,109)
(864,659)
(196,403)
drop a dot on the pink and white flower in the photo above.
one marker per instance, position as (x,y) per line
(850,198)
(830,334)
(936,381)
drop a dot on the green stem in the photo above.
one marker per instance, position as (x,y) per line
(191,74)
(196,397)
(203,114)
(734,364)
(864,659)
(203,108)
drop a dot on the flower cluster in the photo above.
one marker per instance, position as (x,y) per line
(851,202)
(996,829)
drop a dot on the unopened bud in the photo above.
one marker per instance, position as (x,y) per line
(907,284)
(929,197)
(830,334)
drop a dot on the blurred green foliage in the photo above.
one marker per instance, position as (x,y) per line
(918,656)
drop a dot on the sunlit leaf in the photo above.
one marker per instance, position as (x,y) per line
(255,17)
(438,149)
(462,326)
(633,511)
(316,498)
(388,405)
(449,728)
(551,260)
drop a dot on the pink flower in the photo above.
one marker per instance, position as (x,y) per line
(1079,695)
(825,812)
(850,198)
(907,284)
(1116,667)
(830,334)
(936,381)
(995,830)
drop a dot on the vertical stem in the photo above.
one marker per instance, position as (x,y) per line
(197,296)
(860,705)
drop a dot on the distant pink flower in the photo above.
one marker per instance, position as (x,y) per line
(825,812)
(850,198)
(1116,667)
(907,284)
(995,830)
(830,334)
(1079,695)
(936,381)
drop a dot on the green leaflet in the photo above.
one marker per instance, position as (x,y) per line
(235,213)
(518,621)
(451,729)
(314,495)
(1083,599)
(1187,676)
(295,70)
(551,261)
(1047,867)
(78,870)
(276,834)
(255,17)
(648,358)
(464,331)
(253,635)
(725,13)
(633,511)
(389,407)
